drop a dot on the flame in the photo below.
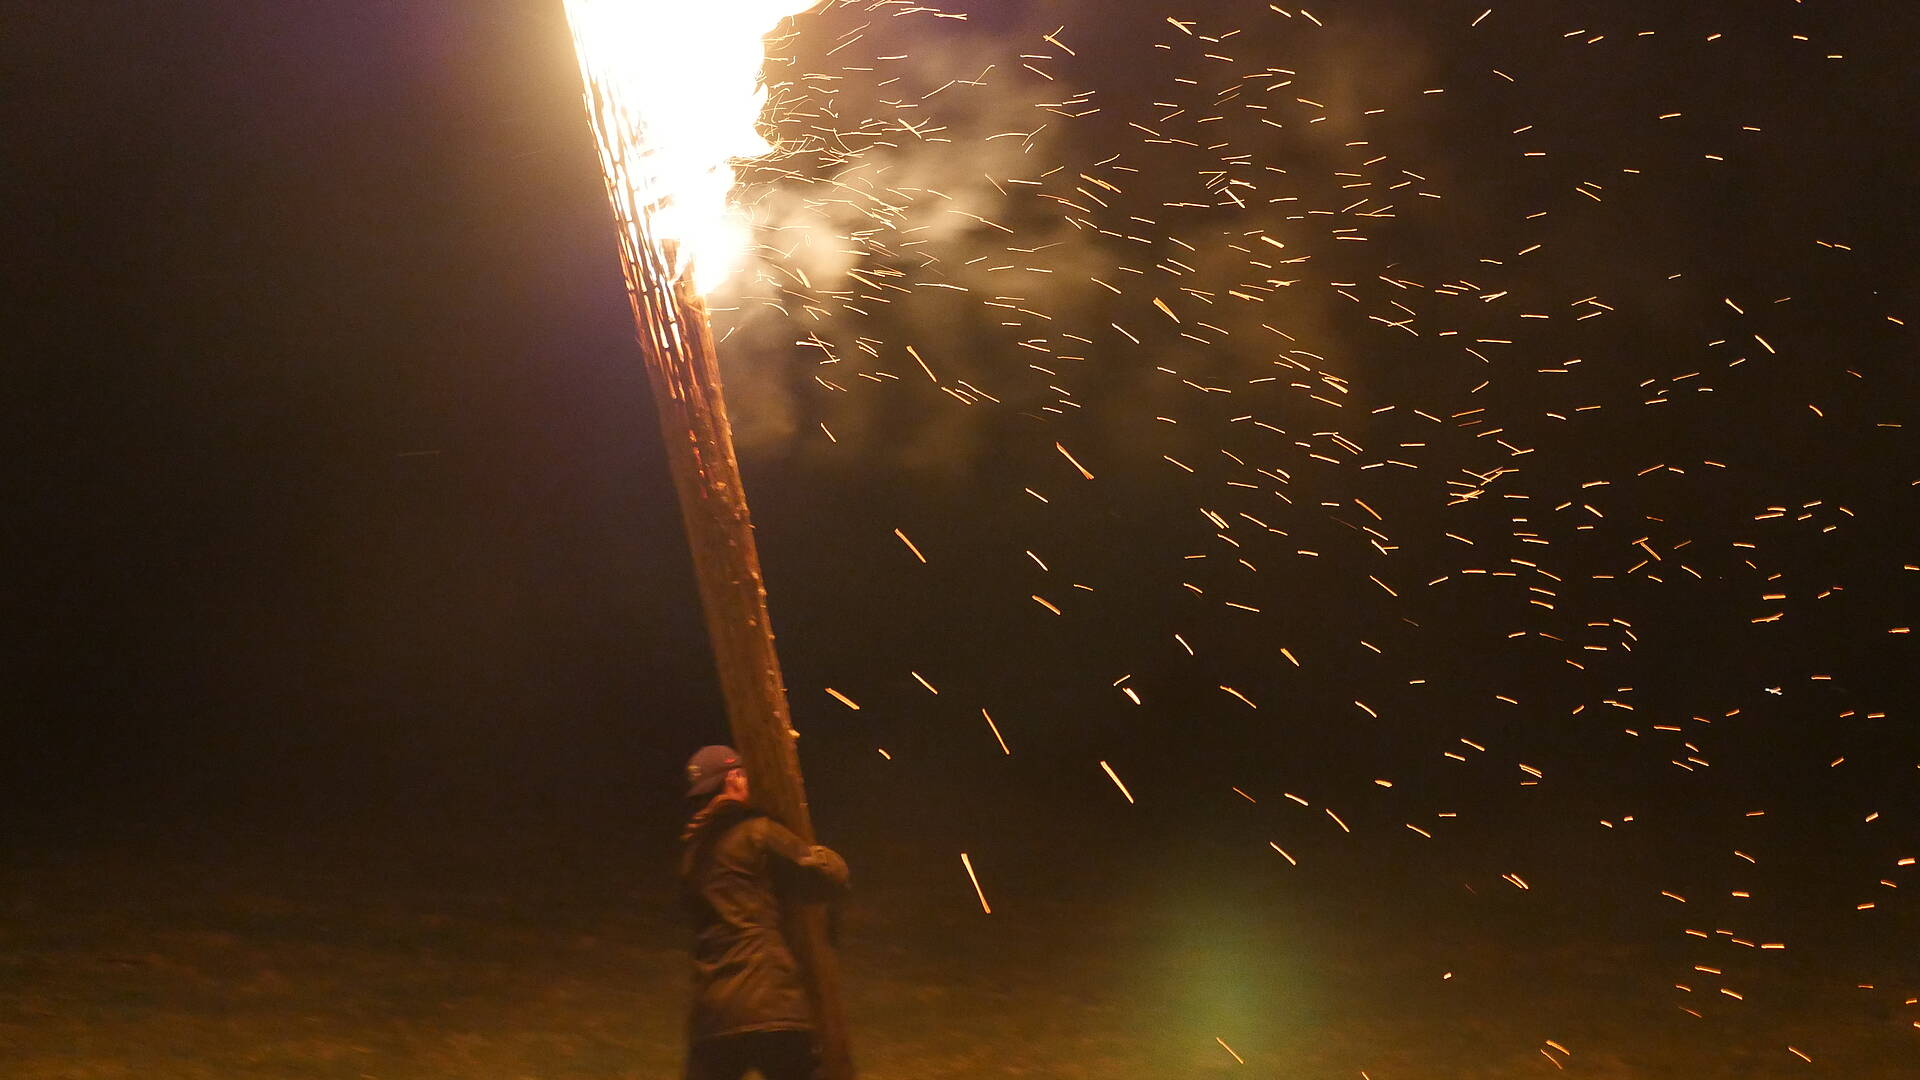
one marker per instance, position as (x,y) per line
(675,94)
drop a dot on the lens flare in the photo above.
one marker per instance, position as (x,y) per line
(675,94)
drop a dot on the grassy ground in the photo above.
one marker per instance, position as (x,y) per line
(315,960)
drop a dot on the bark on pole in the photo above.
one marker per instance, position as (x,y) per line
(676,340)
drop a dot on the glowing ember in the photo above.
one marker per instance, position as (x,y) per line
(675,94)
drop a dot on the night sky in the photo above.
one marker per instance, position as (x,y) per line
(1509,420)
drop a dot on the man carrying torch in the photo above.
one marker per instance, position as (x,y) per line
(674,95)
(738,870)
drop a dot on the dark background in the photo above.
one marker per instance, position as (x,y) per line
(337,503)
(340,481)
(336,480)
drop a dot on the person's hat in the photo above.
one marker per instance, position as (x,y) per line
(707,769)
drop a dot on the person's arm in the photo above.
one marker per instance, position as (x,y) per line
(820,867)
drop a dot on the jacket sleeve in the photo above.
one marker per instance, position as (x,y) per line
(820,867)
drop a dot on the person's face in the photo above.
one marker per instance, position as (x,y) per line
(736,784)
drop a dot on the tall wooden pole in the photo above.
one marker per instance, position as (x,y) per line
(676,340)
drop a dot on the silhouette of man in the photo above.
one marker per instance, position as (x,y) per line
(737,869)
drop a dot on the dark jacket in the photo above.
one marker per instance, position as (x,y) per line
(736,867)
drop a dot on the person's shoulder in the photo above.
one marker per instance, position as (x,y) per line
(763,830)
(741,819)
(716,821)
(755,820)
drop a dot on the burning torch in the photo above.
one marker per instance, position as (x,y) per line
(674,94)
